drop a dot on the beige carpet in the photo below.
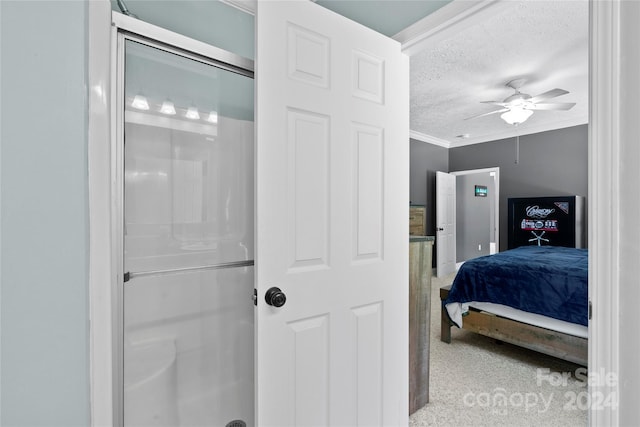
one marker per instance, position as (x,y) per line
(476,381)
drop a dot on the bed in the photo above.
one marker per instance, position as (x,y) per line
(532,296)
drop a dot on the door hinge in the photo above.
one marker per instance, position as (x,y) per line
(255,296)
(590,309)
(126,277)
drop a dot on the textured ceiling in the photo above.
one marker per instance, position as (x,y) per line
(544,42)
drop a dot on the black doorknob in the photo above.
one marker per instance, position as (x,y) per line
(275,297)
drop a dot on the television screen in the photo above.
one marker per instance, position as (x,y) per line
(544,221)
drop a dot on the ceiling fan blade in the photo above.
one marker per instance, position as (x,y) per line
(502,104)
(547,95)
(488,114)
(553,106)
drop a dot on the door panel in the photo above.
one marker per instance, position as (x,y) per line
(368,149)
(308,187)
(368,338)
(309,341)
(332,220)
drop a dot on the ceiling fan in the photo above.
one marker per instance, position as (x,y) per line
(520,106)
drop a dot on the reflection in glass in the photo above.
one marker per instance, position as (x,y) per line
(188,176)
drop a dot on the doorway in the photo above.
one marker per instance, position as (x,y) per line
(478,213)
(467,216)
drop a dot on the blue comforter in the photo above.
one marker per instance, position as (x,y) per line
(546,280)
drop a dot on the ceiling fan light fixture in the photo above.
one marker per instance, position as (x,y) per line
(515,116)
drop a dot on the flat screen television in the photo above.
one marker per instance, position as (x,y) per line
(546,221)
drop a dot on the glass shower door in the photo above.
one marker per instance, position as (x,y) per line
(188,240)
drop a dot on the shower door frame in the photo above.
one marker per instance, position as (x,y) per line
(126,28)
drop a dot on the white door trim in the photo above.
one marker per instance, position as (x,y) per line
(101,269)
(496,171)
(604,198)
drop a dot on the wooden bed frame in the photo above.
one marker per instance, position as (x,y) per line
(567,347)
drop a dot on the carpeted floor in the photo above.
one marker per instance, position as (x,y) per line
(475,381)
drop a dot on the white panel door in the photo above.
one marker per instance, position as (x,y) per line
(332,218)
(445,223)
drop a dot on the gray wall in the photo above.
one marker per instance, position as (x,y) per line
(552,163)
(473,216)
(44,203)
(426,159)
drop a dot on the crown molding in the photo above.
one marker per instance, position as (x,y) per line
(247,6)
(513,131)
(423,137)
(447,21)
(510,132)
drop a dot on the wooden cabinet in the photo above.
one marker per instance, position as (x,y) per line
(420,249)
(417,216)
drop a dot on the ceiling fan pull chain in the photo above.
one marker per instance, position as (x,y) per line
(517,149)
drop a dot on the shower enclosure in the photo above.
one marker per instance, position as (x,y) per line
(186,166)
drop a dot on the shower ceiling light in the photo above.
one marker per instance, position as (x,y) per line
(213,117)
(192,113)
(168,108)
(140,102)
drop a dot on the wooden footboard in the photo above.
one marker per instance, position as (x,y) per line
(445,323)
(553,343)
